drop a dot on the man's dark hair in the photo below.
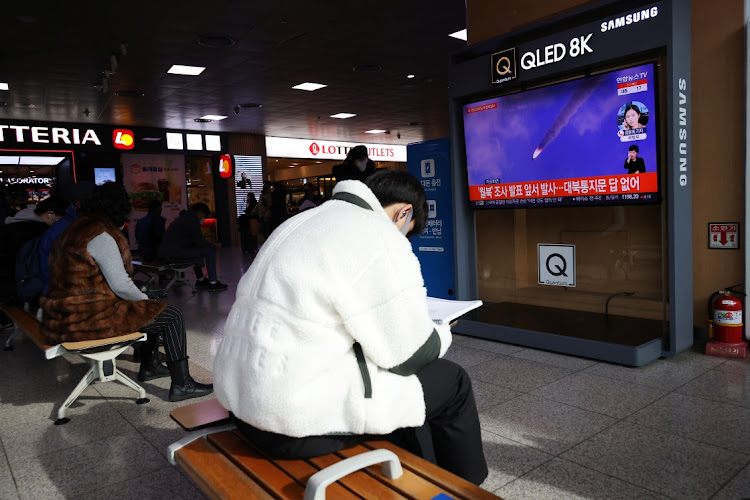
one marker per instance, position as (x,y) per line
(154,206)
(356,153)
(200,207)
(395,186)
(109,199)
(634,147)
(52,204)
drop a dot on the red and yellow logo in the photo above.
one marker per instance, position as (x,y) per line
(225,166)
(123,138)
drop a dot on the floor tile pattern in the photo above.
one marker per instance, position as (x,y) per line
(553,426)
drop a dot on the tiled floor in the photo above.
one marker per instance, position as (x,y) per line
(554,426)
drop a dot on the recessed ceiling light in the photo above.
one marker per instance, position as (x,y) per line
(251,105)
(375,131)
(179,69)
(309,86)
(343,115)
(213,117)
(367,68)
(129,93)
(4,86)
(460,34)
(216,41)
(202,120)
(409,76)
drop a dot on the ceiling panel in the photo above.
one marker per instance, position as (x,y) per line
(55,62)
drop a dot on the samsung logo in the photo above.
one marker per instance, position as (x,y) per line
(632,18)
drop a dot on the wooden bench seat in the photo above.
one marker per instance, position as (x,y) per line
(100,354)
(225,465)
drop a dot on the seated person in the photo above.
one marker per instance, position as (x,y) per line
(91,295)
(17,230)
(184,241)
(308,366)
(633,164)
(74,194)
(149,231)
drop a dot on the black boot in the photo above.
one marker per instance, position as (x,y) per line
(151,366)
(183,386)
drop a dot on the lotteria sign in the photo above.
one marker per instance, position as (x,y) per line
(84,137)
(26,134)
(330,150)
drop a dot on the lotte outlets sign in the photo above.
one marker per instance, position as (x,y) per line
(330,150)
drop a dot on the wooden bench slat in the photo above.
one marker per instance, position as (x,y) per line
(360,482)
(409,484)
(27,324)
(87,344)
(453,484)
(197,415)
(298,470)
(216,475)
(274,480)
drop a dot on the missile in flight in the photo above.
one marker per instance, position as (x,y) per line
(577,98)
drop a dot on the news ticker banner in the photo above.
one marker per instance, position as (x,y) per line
(430,163)
(613,189)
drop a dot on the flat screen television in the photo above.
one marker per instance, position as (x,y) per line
(102,175)
(590,141)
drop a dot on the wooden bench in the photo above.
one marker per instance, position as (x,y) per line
(100,354)
(226,466)
(175,269)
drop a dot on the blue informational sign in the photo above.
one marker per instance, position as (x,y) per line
(430,162)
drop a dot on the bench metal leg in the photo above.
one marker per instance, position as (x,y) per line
(125,380)
(87,379)
(9,342)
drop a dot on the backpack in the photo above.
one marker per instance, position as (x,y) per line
(29,282)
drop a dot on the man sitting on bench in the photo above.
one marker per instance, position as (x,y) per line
(91,295)
(330,341)
(184,242)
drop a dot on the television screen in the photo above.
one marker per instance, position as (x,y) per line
(102,175)
(591,141)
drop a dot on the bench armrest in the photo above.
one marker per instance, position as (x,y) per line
(316,485)
(175,447)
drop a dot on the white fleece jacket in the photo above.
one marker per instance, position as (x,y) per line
(327,278)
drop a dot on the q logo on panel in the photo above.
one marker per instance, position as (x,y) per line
(503,66)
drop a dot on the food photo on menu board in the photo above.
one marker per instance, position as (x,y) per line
(589,141)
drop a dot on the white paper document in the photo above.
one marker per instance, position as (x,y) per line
(445,311)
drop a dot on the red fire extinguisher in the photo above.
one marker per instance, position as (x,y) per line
(726,315)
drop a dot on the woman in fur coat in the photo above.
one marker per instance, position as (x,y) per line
(91,295)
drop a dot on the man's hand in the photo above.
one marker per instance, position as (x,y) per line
(453,323)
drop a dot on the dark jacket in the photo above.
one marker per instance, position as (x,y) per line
(635,166)
(79,304)
(183,238)
(48,239)
(13,236)
(149,231)
(346,172)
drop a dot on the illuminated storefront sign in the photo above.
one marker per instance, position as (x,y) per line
(47,135)
(330,150)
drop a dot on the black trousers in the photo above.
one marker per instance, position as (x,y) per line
(451,436)
(170,323)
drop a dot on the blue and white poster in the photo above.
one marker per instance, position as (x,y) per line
(430,162)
